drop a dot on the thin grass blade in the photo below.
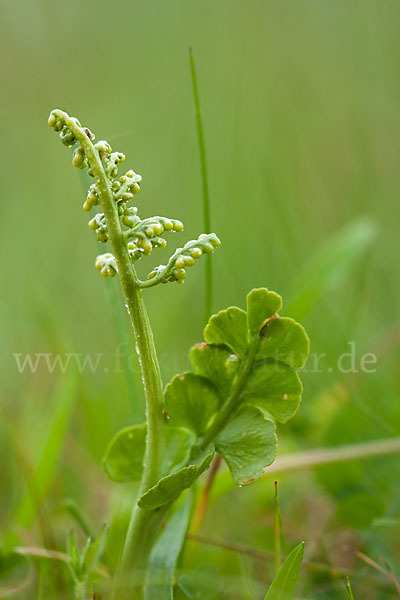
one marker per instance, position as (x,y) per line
(204,177)
(284,584)
(159,585)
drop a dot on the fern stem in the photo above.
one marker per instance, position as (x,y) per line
(141,521)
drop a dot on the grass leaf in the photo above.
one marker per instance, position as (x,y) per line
(348,585)
(284,584)
(163,559)
(206,199)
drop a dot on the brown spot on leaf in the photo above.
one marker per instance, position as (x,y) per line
(264,328)
(247,481)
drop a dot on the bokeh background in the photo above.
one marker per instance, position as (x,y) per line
(300,103)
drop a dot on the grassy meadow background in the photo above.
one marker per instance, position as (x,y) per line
(300,102)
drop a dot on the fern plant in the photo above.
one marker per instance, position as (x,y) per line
(244,376)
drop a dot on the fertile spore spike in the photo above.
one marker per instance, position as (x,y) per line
(142,236)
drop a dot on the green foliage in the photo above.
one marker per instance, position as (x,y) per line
(123,460)
(216,363)
(203,583)
(244,381)
(294,156)
(71,506)
(83,562)
(256,387)
(170,487)
(276,388)
(284,584)
(229,327)
(248,443)
(261,304)
(244,377)
(285,342)
(192,400)
(163,559)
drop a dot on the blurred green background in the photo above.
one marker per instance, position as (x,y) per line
(300,103)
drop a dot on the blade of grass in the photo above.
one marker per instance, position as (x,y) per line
(348,585)
(277,530)
(206,198)
(71,507)
(204,498)
(159,585)
(284,584)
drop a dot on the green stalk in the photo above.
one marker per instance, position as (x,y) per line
(80,590)
(204,178)
(348,585)
(143,523)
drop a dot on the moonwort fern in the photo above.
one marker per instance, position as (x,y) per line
(244,376)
